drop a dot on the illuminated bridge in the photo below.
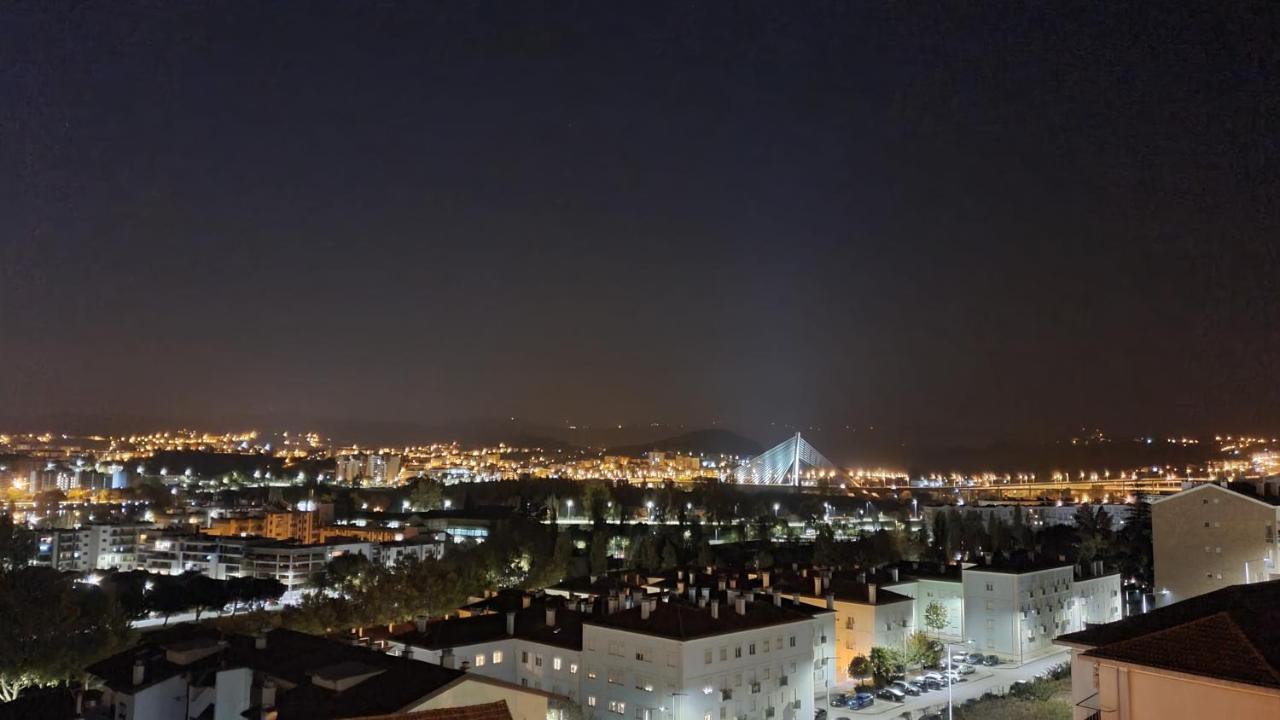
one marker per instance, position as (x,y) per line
(784,464)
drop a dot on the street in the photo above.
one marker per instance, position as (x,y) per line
(996,679)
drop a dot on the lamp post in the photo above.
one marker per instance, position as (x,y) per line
(826,678)
(569,515)
(947,649)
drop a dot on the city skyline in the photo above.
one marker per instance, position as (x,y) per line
(957,223)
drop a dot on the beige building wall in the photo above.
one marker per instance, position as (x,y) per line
(1209,538)
(523,704)
(861,626)
(1129,692)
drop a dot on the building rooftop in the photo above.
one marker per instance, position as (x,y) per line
(488,711)
(325,678)
(681,620)
(1230,634)
(1018,564)
(530,624)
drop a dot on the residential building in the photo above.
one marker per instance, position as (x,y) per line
(1210,537)
(929,583)
(1214,654)
(286,675)
(715,654)
(97,546)
(1014,608)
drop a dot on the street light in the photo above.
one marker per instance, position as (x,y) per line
(570,513)
(947,649)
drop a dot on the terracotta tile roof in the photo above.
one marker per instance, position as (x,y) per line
(1215,646)
(1231,634)
(488,711)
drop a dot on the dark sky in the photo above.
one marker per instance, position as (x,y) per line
(946,219)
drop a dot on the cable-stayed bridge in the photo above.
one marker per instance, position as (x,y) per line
(786,463)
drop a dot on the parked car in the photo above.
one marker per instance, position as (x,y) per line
(931,716)
(820,714)
(966,669)
(991,661)
(918,684)
(905,687)
(889,692)
(861,700)
(959,657)
(928,682)
(974,658)
(839,700)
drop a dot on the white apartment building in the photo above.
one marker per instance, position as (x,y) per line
(926,584)
(1016,609)
(732,657)
(98,546)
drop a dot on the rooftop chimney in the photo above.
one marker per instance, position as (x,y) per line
(740,605)
(862,576)
(551,616)
(777,598)
(831,601)
(420,623)
(826,580)
(871,593)
(260,641)
(408,652)
(894,573)
(644,609)
(764,579)
(268,694)
(525,600)
(715,609)
(720,584)
(680,574)
(693,594)
(139,672)
(511,623)
(446,658)
(817,585)
(795,598)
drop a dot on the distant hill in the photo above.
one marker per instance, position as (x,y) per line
(708,442)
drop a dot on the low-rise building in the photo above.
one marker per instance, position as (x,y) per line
(1215,654)
(286,675)
(97,546)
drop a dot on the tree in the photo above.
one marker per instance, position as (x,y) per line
(825,551)
(427,494)
(1133,545)
(885,663)
(53,627)
(922,651)
(859,667)
(599,559)
(935,617)
(169,595)
(17,544)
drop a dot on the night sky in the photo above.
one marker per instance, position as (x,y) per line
(946,220)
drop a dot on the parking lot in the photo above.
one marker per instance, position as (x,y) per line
(983,680)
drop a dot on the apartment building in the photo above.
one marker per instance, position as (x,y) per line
(709,654)
(220,558)
(285,675)
(98,546)
(1015,608)
(926,584)
(1210,537)
(1215,654)
(865,614)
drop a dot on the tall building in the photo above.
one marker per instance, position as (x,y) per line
(1210,537)
(98,546)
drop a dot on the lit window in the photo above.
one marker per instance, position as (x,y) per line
(480,660)
(573,668)
(555,663)
(497,656)
(591,701)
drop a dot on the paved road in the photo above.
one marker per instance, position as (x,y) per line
(997,680)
